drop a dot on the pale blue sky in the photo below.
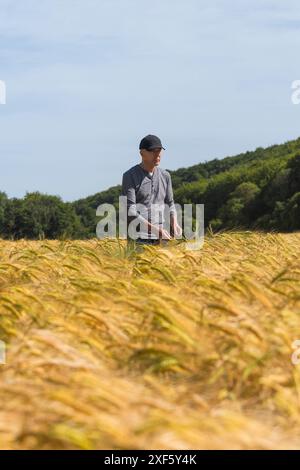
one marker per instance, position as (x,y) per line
(87,79)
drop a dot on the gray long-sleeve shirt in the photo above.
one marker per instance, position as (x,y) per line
(148,189)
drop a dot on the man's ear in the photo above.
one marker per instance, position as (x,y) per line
(141,152)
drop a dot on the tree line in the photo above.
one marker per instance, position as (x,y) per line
(253,190)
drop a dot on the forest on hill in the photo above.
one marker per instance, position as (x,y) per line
(257,189)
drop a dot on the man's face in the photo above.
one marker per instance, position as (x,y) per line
(152,157)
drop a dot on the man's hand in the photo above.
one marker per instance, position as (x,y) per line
(160,232)
(176,230)
(164,234)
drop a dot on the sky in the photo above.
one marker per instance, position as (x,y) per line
(87,79)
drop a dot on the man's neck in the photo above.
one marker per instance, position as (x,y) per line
(148,169)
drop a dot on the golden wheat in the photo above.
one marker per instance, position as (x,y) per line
(166,348)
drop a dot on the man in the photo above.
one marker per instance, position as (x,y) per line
(147,184)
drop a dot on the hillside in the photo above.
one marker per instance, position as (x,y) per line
(258,189)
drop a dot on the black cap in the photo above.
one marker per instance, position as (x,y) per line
(151,142)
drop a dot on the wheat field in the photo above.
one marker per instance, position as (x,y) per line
(108,348)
